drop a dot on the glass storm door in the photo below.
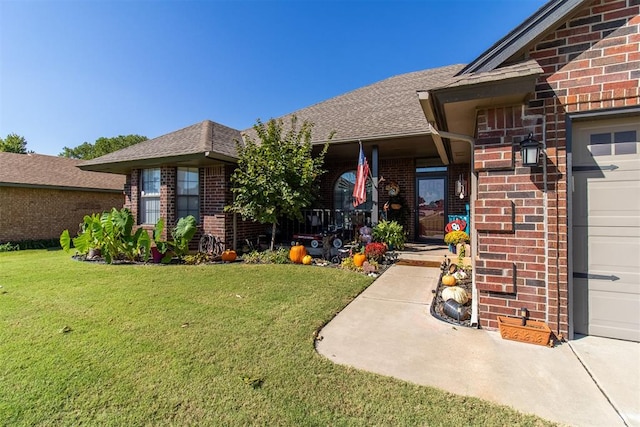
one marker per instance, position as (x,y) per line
(430,214)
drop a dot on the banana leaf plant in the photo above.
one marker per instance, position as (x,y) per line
(181,234)
(111,232)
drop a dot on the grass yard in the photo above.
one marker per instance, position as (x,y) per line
(185,345)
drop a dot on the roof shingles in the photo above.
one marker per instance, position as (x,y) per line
(37,170)
(384,109)
(387,108)
(202,137)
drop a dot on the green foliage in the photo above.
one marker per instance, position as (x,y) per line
(34,244)
(197,258)
(13,143)
(182,234)
(391,233)
(278,256)
(102,146)
(348,264)
(111,232)
(8,247)
(276,177)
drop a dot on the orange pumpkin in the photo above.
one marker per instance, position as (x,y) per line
(359,259)
(297,253)
(448,280)
(229,255)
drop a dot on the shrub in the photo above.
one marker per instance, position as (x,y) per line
(111,232)
(278,256)
(8,247)
(391,233)
(348,264)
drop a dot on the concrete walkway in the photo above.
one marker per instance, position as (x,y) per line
(388,330)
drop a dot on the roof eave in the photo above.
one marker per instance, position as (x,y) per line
(125,166)
(531,30)
(486,89)
(61,187)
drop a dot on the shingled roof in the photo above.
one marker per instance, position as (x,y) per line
(384,109)
(202,139)
(37,170)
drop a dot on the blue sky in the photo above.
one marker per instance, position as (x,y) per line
(74,71)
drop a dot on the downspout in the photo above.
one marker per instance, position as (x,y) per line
(545,206)
(473,193)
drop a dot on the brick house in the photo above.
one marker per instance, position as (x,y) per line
(40,196)
(562,238)
(559,238)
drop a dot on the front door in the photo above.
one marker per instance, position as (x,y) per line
(431,207)
(606,228)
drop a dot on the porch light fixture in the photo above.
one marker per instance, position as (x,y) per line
(530,151)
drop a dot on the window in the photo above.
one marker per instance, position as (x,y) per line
(188,199)
(150,196)
(343,193)
(602,144)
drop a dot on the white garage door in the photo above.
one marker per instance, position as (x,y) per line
(606,228)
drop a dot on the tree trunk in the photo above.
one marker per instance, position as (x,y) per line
(273,235)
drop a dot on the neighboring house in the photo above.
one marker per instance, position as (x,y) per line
(40,196)
(560,239)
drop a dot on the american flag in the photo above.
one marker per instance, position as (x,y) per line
(360,188)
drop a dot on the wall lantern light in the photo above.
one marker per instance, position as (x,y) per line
(530,150)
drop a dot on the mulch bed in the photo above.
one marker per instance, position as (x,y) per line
(437,305)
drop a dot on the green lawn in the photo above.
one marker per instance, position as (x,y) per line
(171,345)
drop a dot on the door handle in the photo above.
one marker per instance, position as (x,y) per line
(595,276)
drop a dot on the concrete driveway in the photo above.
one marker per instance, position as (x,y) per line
(388,330)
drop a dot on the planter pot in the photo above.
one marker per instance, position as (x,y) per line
(156,256)
(532,332)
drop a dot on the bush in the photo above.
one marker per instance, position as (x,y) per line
(391,233)
(8,247)
(279,256)
(29,244)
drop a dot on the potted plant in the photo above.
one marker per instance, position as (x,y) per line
(181,234)
(454,238)
(391,233)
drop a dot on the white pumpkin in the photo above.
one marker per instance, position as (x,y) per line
(460,275)
(456,293)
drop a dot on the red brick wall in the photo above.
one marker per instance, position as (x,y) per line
(35,213)
(214,196)
(592,62)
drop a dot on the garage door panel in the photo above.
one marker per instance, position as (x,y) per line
(612,313)
(606,228)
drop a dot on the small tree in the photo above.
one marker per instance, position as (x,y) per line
(276,176)
(14,143)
